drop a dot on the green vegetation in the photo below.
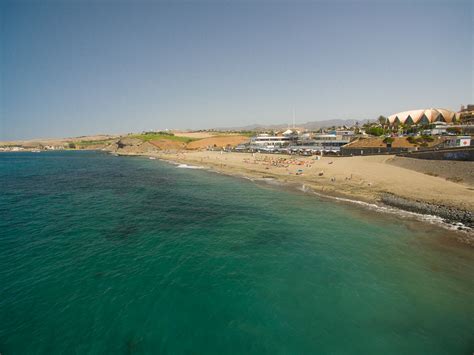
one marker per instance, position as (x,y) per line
(388,140)
(71,145)
(83,144)
(246,133)
(375,131)
(421,141)
(163,133)
(154,136)
(381,126)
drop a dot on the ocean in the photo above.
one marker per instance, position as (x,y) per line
(125,255)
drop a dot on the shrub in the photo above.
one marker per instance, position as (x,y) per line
(162,133)
(375,131)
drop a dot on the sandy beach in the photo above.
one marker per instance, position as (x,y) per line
(364,178)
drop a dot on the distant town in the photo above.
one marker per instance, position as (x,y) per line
(401,132)
(404,132)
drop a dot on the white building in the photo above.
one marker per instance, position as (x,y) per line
(266,141)
(438,129)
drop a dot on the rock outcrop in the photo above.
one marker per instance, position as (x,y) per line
(131,146)
(449,214)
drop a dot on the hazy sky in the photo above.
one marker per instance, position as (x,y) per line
(81,67)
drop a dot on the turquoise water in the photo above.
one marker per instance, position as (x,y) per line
(103,254)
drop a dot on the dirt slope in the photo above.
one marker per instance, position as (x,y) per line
(219,141)
(167,144)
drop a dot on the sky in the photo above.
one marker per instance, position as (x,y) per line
(70,68)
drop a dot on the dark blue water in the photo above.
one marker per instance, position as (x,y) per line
(103,254)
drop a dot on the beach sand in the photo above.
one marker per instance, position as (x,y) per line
(457,171)
(364,178)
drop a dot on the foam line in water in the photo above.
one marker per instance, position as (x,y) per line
(436,220)
(186,166)
(392,210)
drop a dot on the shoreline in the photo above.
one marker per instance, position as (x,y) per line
(450,217)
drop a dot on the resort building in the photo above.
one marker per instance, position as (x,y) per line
(439,128)
(268,142)
(344,134)
(423,117)
(320,143)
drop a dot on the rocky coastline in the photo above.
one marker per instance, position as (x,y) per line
(449,214)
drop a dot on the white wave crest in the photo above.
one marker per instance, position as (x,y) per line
(436,220)
(186,166)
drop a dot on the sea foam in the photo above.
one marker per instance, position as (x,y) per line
(186,166)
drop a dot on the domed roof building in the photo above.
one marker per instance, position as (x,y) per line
(426,116)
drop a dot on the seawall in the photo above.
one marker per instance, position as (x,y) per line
(460,154)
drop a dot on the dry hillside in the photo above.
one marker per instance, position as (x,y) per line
(167,144)
(219,141)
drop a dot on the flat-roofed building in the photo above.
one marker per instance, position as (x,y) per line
(379,145)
